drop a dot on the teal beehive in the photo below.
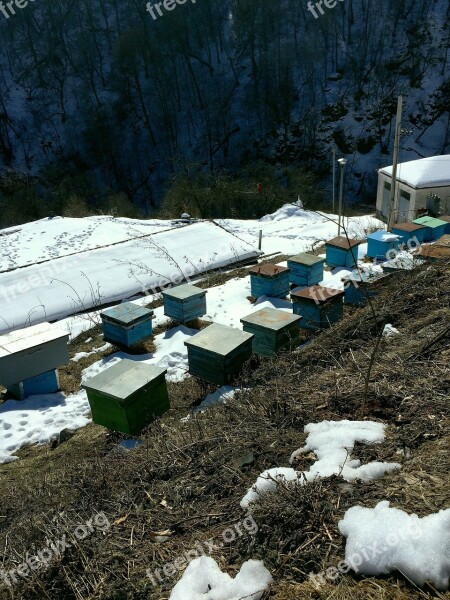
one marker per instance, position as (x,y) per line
(269,280)
(128,396)
(381,243)
(342,252)
(410,231)
(273,330)
(127,325)
(446,219)
(361,286)
(435,228)
(184,303)
(218,352)
(305,269)
(319,306)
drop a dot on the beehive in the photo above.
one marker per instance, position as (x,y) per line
(408,231)
(128,396)
(269,280)
(127,324)
(435,228)
(319,306)
(379,243)
(184,303)
(218,352)
(305,269)
(46,383)
(342,252)
(273,330)
(360,286)
(28,353)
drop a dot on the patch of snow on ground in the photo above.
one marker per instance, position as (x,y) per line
(38,420)
(332,442)
(389,330)
(383,539)
(203,580)
(79,355)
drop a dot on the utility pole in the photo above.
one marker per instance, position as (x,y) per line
(342,162)
(398,132)
(334,176)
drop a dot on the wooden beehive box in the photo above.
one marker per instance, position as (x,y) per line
(218,352)
(379,244)
(128,396)
(360,286)
(305,269)
(342,252)
(269,280)
(273,330)
(27,353)
(184,303)
(408,231)
(435,228)
(46,383)
(127,324)
(319,306)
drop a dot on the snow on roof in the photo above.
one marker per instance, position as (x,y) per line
(433,171)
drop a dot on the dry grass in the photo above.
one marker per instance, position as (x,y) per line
(187,479)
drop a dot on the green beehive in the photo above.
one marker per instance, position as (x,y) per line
(273,330)
(218,352)
(128,396)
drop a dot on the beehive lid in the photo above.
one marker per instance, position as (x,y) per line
(24,339)
(308,260)
(268,270)
(126,313)
(219,339)
(343,243)
(317,293)
(270,318)
(124,379)
(183,292)
(408,226)
(430,222)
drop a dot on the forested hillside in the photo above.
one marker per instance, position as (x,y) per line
(100,97)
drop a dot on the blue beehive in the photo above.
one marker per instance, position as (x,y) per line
(127,324)
(380,243)
(360,286)
(218,352)
(305,269)
(46,383)
(269,280)
(409,231)
(446,218)
(435,228)
(184,303)
(342,252)
(319,306)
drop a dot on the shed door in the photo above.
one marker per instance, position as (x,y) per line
(386,206)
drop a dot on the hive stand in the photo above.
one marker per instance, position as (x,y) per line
(408,231)
(29,359)
(305,269)
(273,330)
(435,228)
(319,306)
(128,396)
(184,303)
(218,352)
(342,252)
(127,324)
(269,280)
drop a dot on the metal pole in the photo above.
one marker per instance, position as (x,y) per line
(334,177)
(394,199)
(260,239)
(342,162)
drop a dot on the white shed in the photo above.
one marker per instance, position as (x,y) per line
(419,181)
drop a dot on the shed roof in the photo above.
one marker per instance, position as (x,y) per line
(318,293)
(430,172)
(124,378)
(183,292)
(343,242)
(408,226)
(271,318)
(126,313)
(23,339)
(268,270)
(219,339)
(306,259)
(430,222)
